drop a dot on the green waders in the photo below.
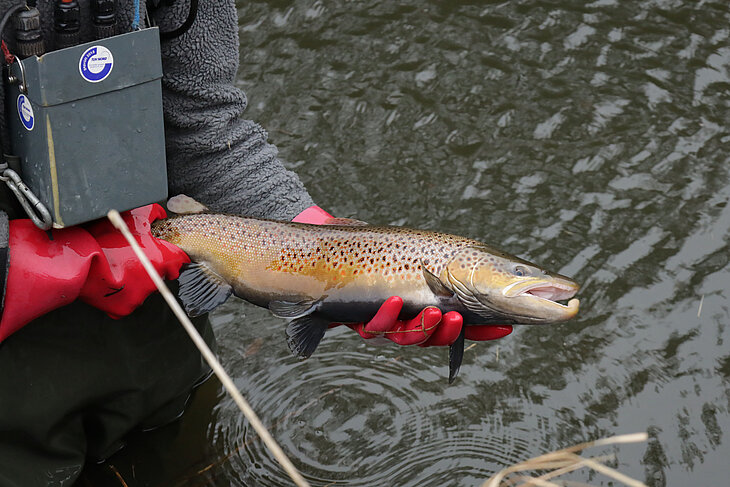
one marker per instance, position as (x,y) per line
(73,383)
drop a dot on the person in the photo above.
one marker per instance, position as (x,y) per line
(88,351)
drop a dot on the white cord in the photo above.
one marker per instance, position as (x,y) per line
(208,355)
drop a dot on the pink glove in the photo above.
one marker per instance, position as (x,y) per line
(93,263)
(429,328)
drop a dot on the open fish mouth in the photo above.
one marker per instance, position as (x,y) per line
(548,292)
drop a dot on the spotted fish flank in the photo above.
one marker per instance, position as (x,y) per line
(317,274)
(310,258)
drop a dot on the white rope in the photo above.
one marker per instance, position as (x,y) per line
(208,355)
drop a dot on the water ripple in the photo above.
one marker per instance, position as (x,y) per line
(591,138)
(368,421)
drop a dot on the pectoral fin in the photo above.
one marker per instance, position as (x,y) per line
(201,289)
(304,334)
(434,283)
(456,355)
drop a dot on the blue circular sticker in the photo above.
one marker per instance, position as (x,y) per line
(25,112)
(96,63)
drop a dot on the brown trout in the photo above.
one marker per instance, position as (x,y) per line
(314,275)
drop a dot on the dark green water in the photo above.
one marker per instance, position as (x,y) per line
(589,137)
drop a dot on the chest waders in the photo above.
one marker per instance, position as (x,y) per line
(75,381)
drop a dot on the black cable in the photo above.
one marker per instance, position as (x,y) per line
(192,13)
(7,16)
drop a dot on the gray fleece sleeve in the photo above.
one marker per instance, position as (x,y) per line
(213,155)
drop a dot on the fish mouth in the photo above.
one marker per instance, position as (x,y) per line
(547,295)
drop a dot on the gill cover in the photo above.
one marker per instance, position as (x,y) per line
(460,275)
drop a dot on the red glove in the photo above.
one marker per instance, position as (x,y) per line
(429,328)
(314,215)
(93,263)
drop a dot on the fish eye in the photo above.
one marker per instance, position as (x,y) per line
(520,271)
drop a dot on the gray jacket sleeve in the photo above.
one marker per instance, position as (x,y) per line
(214,155)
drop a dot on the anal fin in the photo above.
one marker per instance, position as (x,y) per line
(201,289)
(456,354)
(304,334)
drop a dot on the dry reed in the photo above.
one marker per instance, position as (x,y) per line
(564,461)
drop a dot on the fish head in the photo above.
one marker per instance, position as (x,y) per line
(497,286)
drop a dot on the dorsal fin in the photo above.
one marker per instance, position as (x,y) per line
(183,204)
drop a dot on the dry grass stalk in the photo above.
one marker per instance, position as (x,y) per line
(208,355)
(564,461)
(574,463)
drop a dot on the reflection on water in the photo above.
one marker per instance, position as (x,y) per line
(590,138)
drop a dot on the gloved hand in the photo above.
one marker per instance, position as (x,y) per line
(93,263)
(429,328)
(315,216)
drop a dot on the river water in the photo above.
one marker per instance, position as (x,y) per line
(591,138)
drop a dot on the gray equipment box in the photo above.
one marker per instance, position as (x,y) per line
(88,126)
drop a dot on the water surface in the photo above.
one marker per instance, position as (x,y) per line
(591,138)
